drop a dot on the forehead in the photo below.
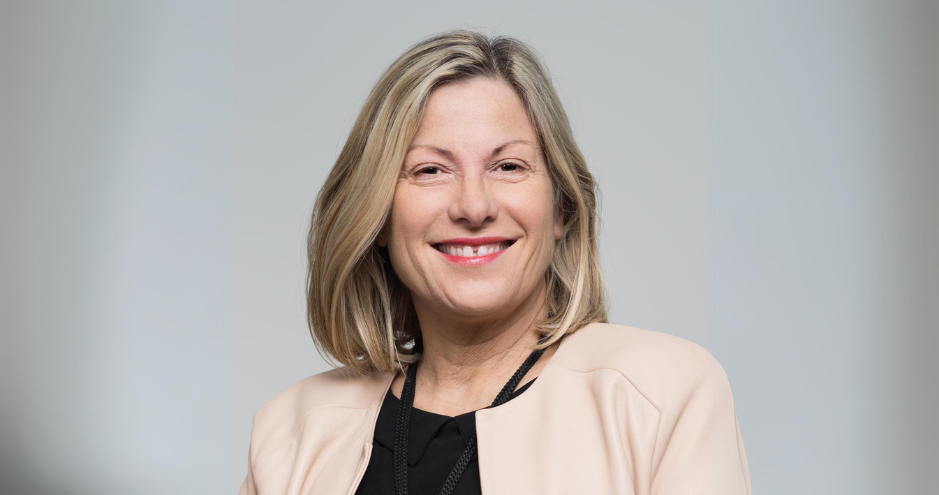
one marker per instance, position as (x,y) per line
(477,110)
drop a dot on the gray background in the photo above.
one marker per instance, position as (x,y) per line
(769,180)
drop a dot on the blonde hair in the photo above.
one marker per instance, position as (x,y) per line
(359,312)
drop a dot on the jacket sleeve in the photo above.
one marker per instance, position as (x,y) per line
(698,448)
(247,487)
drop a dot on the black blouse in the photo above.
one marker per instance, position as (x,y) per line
(435,443)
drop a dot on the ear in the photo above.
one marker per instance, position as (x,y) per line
(382,239)
(558,224)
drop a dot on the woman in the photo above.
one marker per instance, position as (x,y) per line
(453,272)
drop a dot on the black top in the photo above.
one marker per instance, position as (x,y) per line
(435,443)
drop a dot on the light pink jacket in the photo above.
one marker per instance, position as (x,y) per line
(616,410)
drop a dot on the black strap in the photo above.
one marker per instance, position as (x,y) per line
(403,423)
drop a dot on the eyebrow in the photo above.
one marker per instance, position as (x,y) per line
(449,154)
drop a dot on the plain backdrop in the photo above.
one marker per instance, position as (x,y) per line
(769,190)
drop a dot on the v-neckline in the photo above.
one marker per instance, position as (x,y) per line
(425,425)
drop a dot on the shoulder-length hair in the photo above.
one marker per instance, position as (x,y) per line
(359,312)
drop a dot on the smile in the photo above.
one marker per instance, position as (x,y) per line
(467,251)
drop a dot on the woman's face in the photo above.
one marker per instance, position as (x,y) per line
(473,225)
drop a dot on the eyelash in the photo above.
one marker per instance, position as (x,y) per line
(434,167)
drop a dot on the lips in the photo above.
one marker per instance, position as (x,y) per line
(468,251)
(473,250)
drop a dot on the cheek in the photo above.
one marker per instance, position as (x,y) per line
(534,209)
(413,213)
(409,214)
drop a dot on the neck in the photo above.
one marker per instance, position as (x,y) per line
(465,364)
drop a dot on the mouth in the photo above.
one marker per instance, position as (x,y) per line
(471,249)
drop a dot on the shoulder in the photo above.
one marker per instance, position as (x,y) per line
(664,368)
(282,415)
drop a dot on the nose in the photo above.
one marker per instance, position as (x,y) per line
(473,204)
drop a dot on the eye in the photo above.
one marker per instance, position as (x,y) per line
(509,167)
(432,170)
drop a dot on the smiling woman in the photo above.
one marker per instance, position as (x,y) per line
(473,222)
(448,110)
(452,264)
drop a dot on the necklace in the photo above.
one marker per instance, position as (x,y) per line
(403,424)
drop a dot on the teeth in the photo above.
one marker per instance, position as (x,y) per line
(472,251)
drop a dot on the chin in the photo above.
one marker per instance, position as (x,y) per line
(494,304)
